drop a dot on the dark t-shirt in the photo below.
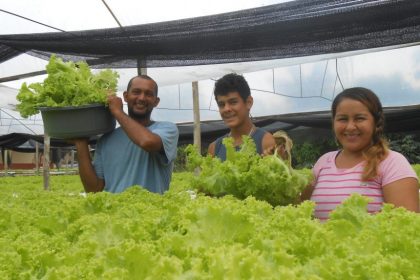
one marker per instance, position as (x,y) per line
(257,136)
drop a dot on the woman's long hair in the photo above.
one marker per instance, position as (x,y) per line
(379,148)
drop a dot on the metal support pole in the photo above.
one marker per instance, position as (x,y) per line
(140,69)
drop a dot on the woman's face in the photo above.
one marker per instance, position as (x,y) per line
(354,126)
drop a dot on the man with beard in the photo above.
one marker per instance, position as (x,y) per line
(139,152)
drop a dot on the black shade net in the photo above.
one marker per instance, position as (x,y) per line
(291,29)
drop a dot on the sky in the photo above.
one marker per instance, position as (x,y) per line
(92,14)
(278,87)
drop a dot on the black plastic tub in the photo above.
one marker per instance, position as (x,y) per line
(78,121)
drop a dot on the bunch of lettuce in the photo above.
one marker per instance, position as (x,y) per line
(245,173)
(136,234)
(67,84)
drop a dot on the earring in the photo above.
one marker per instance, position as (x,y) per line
(336,142)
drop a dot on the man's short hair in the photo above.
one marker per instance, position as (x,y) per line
(146,77)
(232,83)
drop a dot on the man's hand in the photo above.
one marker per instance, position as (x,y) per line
(281,151)
(78,141)
(115,104)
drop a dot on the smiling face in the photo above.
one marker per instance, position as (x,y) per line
(233,109)
(354,126)
(141,98)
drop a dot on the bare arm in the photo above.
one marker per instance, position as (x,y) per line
(307,192)
(268,141)
(211,149)
(137,132)
(90,181)
(269,145)
(403,193)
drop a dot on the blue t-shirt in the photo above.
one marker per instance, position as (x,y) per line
(122,164)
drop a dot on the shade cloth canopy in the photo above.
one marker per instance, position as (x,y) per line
(291,29)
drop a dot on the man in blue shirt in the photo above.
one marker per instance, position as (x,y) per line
(139,152)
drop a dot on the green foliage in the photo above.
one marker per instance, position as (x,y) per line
(406,144)
(67,84)
(60,234)
(306,154)
(245,173)
(180,163)
(416,168)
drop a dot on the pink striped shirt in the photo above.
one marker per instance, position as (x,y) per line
(333,185)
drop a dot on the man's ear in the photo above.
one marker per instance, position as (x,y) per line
(125,93)
(157,101)
(249,102)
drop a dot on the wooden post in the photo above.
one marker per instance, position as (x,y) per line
(36,158)
(72,158)
(46,163)
(5,162)
(196,110)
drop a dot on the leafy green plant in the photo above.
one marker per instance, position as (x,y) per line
(416,168)
(67,84)
(305,155)
(62,234)
(245,173)
(181,159)
(406,144)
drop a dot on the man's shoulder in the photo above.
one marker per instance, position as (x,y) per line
(264,133)
(107,140)
(219,139)
(114,133)
(262,130)
(164,124)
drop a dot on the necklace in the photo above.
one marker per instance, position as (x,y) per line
(250,132)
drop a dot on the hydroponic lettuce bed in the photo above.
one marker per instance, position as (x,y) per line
(63,234)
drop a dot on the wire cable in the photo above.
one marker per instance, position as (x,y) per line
(338,74)
(112,13)
(37,22)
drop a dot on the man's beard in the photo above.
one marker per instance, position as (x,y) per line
(138,116)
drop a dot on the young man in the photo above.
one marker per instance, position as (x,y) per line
(139,152)
(233,97)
